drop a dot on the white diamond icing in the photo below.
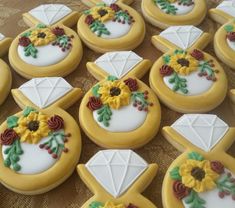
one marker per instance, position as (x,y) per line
(116,170)
(118,63)
(108,2)
(1,36)
(49,14)
(228,7)
(44,91)
(202,130)
(182,36)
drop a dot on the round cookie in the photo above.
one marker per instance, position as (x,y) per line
(111,26)
(224,43)
(120,111)
(117,178)
(204,174)
(41,145)
(6,78)
(185,78)
(49,48)
(165,13)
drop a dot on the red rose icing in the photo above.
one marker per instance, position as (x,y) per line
(197,55)
(89,19)
(94,103)
(115,7)
(56,123)
(180,190)
(166,70)
(132,84)
(58,31)
(24,41)
(217,166)
(8,137)
(231,36)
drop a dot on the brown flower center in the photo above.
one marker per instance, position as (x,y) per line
(198,173)
(41,35)
(102,12)
(33,125)
(183,62)
(115,91)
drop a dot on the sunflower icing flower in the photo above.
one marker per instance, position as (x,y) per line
(32,128)
(102,13)
(115,94)
(42,36)
(183,63)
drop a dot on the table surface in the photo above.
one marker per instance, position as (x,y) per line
(73,193)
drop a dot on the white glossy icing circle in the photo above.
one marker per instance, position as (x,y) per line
(196,85)
(46,56)
(125,119)
(181,9)
(231,44)
(116,29)
(34,160)
(214,201)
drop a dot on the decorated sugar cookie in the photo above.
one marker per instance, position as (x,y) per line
(185,78)
(41,145)
(111,25)
(117,178)
(5,78)
(120,111)
(203,176)
(165,13)
(224,41)
(49,48)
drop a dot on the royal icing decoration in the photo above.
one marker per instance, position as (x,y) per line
(2,36)
(45,91)
(196,177)
(114,96)
(182,36)
(175,7)
(202,130)
(49,14)
(182,72)
(118,64)
(33,141)
(230,37)
(116,170)
(110,204)
(228,7)
(108,21)
(43,46)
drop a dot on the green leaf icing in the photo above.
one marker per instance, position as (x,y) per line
(166,6)
(195,156)
(111,78)
(194,200)
(13,152)
(226,185)
(139,97)
(40,25)
(12,121)
(26,34)
(30,50)
(99,28)
(179,83)
(166,59)
(229,28)
(95,91)
(96,204)
(174,174)
(104,115)
(27,111)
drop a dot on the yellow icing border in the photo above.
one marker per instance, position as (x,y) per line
(133,139)
(128,42)
(178,141)
(43,182)
(132,195)
(160,19)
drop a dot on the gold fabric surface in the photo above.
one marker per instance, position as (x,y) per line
(73,193)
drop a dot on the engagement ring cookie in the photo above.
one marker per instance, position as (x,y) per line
(224,41)
(117,178)
(203,176)
(111,26)
(49,48)
(165,13)
(6,79)
(40,146)
(185,78)
(120,111)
